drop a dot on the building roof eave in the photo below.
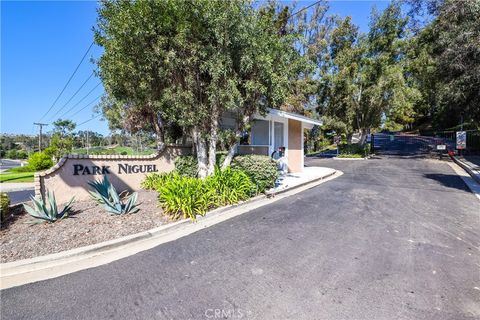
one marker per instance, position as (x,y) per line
(294,116)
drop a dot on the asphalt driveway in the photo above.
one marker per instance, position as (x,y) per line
(390,239)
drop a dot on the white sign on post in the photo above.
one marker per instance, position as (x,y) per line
(461,140)
(441,147)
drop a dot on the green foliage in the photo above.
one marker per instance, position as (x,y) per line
(39,161)
(231,186)
(354,150)
(21,169)
(154,181)
(191,61)
(106,194)
(16,154)
(186,166)
(47,212)
(186,196)
(61,142)
(4,203)
(350,155)
(261,170)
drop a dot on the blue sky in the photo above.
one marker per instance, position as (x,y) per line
(41,45)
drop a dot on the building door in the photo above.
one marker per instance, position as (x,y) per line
(278,135)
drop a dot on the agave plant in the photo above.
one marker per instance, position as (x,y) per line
(50,214)
(106,194)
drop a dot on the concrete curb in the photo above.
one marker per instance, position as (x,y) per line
(475,176)
(53,265)
(32,188)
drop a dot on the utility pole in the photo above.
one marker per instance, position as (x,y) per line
(40,125)
(87,142)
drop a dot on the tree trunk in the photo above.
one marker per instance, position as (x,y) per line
(158,124)
(201,147)
(349,138)
(233,147)
(212,146)
(363,136)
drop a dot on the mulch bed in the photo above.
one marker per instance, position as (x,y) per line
(88,224)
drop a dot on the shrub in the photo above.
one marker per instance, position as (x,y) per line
(50,214)
(4,203)
(20,169)
(39,161)
(186,166)
(106,194)
(261,170)
(354,149)
(154,181)
(187,196)
(11,154)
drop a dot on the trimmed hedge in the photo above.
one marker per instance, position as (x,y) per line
(39,161)
(4,203)
(188,166)
(262,170)
(354,149)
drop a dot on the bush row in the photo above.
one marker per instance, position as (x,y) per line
(352,150)
(261,170)
(182,193)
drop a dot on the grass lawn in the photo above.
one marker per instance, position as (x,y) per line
(350,155)
(16,177)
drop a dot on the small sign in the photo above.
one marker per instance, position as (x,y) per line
(461,140)
(441,147)
(336,139)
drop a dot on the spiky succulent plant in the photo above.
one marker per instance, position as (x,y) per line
(105,193)
(47,211)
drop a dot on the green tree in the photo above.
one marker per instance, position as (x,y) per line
(456,51)
(187,62)
(62,139)
(365,85)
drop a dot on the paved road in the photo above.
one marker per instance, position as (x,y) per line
(20,195)
(8,164)
(390,239)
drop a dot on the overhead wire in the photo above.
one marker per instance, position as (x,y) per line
(68,81)
(76,104)
(73,96)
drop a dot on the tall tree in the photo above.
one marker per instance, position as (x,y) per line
(365,86)
(137,38)
(456,51)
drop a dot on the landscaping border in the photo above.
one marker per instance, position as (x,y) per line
(53,265)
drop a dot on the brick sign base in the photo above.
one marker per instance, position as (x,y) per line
(70,176)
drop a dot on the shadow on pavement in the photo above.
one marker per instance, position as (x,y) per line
(448,180)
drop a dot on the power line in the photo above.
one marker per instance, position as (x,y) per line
(83,84)
(86,105)
(84,97)
(307,7)
(70,79)
(98,115)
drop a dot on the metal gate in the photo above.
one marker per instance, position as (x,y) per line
(403,144)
